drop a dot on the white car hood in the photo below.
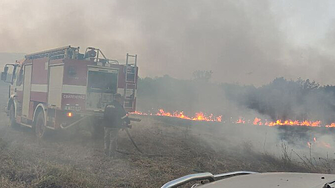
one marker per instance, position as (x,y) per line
(274,180)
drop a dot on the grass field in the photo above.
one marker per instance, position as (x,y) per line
(73,159)
(172,149)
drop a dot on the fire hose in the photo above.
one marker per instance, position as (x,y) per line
(132,141)
(129,135)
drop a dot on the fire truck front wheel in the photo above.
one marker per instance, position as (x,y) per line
(12,119)
(40,128)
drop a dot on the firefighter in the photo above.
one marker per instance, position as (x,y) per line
(115,118)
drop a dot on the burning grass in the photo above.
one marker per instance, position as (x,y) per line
(200,116)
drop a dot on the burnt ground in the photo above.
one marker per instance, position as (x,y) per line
(172,149)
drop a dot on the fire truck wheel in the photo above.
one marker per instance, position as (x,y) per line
(40,128)
(12,119)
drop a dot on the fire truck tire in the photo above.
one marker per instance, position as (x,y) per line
(12,119)
(41,130)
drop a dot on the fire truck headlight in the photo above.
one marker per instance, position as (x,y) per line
(69,114)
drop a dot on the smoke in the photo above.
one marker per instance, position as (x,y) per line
(246,42)
(280,99)
(241,41)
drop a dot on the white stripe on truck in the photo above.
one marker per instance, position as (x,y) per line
(39,87)
(71,89)
(74,89)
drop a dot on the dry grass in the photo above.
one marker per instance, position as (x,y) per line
(18,169)
(72,159)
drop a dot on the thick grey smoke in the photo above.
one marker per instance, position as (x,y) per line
(241,41)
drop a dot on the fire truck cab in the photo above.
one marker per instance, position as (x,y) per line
(59,88)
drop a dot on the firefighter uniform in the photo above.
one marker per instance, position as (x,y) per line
(115,118)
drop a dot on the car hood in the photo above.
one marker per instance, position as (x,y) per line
(271,180)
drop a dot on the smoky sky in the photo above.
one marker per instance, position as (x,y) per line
(247,42)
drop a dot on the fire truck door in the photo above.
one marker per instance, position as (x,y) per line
(55,85)
(26,90)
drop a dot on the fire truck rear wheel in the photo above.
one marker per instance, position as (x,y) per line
(12,119)
(40,128)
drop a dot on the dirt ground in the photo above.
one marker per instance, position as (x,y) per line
(172,149)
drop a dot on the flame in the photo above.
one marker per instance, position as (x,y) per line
(327,145)
(331,125)
(319,143)
(199,116)
(258,121)
(219,118)
(139,113)
(240,120)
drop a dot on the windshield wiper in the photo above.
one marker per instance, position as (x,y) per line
(329,185)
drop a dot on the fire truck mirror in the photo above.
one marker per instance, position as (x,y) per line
(4,76)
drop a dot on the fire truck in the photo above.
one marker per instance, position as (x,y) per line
(59,88)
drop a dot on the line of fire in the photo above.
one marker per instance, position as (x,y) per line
(200,116)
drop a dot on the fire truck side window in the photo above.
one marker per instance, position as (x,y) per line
(20,77)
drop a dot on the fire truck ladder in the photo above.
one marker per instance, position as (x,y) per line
(130,78)
(57,53)
(131,56)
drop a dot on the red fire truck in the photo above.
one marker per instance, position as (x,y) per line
(59,88)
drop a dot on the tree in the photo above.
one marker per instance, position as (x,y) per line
(202,75)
